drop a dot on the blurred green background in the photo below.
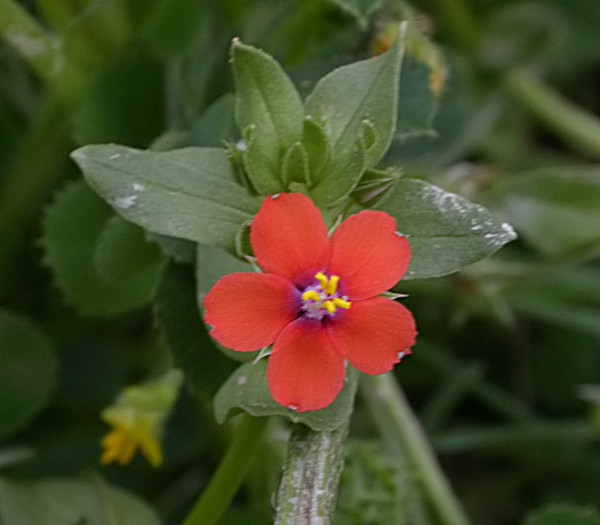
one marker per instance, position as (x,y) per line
(506,374)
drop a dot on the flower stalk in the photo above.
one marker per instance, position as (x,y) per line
(231,472)
(404,437)
(308,488)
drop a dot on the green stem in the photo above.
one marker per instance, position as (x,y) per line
(576,127)
(403,436)
(42,52)
(308,489)
(230,474)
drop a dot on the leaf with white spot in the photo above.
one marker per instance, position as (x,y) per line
(446,231)
(188,193)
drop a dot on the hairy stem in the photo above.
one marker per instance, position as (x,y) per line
(308,489)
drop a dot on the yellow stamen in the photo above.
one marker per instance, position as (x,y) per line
(329,306)
(332,285)
(322,278)
(342,303)
(328,285)
(311,295)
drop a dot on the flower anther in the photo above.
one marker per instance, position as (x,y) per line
(322,299)
(318,301)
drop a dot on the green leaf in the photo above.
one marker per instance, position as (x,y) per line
(213,263)
(424,73)
(295,167)
(268,110)
(180,250)
(122,252)
(314,140)
(186,193)
(342,111)
(69,501)
(216,124)
(185,334)
(446,231)
(246,389)
(418,103)
(557,211)
(72,227)
(342,176)
(374,184)
(28,373)
(564,515)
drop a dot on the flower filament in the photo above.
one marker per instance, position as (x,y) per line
(322,298)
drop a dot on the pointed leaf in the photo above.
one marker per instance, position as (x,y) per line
(446,231)
(267,100)
(186,193)
(261,163)
(342,176)
(373,96)
(295,165)
(246,389)
(314,140)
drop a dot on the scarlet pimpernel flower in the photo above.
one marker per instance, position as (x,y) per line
(318,300)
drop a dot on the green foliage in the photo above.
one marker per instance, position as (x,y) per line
(73,251)
(185,335)
(28,374)
(564,515)
(122,252)
(445,231)
(113,109)
(457,118)
(555,209)
(53,501)
(268,111)
(246,389)
(360,129)
(378,489)
(186,193)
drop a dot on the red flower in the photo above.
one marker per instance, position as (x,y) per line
(317,301)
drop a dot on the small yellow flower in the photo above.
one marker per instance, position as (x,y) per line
(138,417)
(121,443)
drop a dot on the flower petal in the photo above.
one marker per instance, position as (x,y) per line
(374,334)
(368,254)
(289,237)
(248,310)
(304,372)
